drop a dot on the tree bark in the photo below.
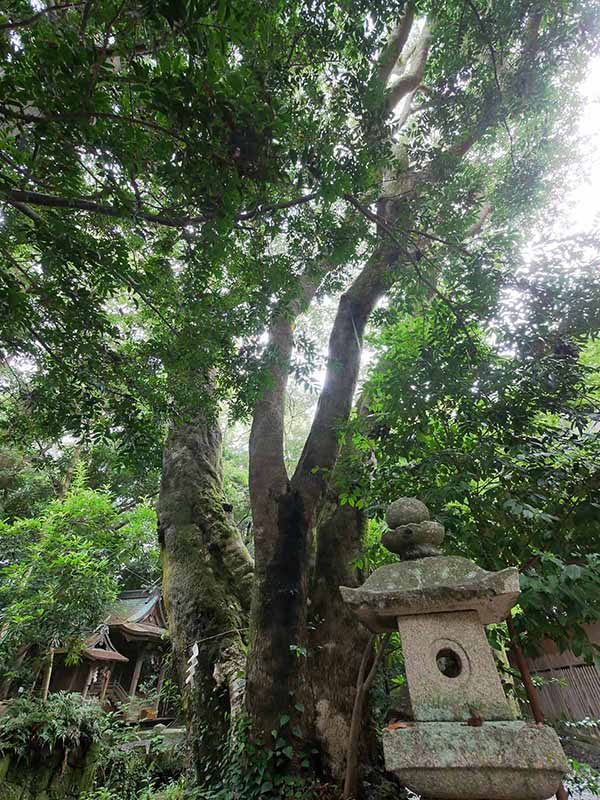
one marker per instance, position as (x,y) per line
(285,510)
(207,578)
(338,640)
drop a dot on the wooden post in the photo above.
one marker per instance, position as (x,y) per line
(159,683)
(105,683)
(530,690)
(47,675)
(136,674)
(88,681)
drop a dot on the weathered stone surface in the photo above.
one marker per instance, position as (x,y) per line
(496,761)
(433,695)
(430,585)
(406,510)
(416,540)
(464,743)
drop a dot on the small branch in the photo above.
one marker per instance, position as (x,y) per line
(492,107)
(83,204)
(23,23)
(362,688)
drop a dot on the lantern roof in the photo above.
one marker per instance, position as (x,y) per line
(432,585)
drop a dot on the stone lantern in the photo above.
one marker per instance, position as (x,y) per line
(463,741)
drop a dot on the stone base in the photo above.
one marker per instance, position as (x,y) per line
(495,761)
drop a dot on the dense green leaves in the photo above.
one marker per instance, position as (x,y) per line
(492,420)
(60,572)
(169,172)
(30,727)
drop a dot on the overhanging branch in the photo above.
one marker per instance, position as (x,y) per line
(43,200)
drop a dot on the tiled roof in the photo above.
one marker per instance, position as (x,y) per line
(134,605)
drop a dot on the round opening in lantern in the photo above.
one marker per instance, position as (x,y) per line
(449,663)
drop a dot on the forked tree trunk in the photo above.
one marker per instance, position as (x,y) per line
(309,645)
(207,576)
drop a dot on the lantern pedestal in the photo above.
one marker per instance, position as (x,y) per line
(511,760)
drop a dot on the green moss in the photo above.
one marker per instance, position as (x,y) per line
(21,780)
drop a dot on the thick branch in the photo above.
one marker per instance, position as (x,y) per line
(388,231)
(411,79)
(343,363)
(24,209)
(267,466)
(393,49)
(123,212)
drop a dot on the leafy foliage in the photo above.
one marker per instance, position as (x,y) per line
(61,571)
(173,173)
(271,768)
(29,726)
(491,420)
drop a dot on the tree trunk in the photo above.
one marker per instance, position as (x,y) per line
(338,640)
(279,634)
(207,577)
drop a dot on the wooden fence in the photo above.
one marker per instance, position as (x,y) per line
(571,690)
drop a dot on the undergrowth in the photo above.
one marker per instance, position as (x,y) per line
(30,727)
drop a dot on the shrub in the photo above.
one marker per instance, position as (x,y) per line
(30,726)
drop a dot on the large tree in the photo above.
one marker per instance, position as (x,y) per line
(181,182)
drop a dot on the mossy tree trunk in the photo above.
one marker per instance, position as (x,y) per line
(207,578)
